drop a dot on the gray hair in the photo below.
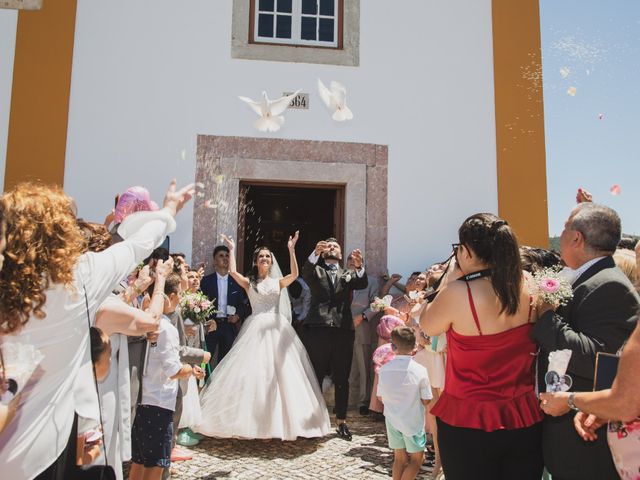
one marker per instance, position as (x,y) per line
(599,225)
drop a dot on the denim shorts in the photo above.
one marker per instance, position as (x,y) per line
(400,441)
(152,436)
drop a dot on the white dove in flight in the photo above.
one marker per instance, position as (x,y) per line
(269,111)
(336,100)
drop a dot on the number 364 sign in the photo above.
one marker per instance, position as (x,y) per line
(300,101)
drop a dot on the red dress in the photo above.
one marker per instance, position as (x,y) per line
(489,381)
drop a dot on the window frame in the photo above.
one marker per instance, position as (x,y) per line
(296,20)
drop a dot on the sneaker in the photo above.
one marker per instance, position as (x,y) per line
(186,440)
(195,435)
(180,455)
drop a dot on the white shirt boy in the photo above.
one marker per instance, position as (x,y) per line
(163,363)
(402,384)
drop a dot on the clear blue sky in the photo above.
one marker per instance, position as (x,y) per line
(598,41)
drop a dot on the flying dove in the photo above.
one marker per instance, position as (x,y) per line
(336,100)
(269,111)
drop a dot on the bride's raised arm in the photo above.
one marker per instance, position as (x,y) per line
(233,270)
(291,245)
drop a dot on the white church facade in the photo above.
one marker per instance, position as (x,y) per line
(446,95)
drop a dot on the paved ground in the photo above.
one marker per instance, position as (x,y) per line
(366,457)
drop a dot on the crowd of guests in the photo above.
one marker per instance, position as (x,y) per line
(117,378)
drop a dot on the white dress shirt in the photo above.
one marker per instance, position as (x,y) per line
(572,275)
(158,388)
(63,383)
(223,287)
(402,384)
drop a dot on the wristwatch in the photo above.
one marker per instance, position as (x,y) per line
(364,317)
(572,405)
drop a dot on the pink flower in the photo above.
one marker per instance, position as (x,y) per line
(549,285)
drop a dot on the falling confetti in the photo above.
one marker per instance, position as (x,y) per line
(615,190)
(600,116)
(210,204)
(200,194)
(572,91)
(564,72)
(219,178)
(183,154)
(200,185)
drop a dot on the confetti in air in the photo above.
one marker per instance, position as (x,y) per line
(200,194)
(219,179)
(600,116)
(615,190)
(564,72)
(210,204)
(572,91)
(200,185)
(183,154)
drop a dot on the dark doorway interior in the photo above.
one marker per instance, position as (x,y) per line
(269,213)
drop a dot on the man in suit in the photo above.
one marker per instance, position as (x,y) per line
(230,301)
(363,321)
(328,330)
(597,319)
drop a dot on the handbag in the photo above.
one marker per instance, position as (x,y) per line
(94,472)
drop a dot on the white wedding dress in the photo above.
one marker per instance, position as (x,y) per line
(265,386)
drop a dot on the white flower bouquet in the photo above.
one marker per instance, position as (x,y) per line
(379,304)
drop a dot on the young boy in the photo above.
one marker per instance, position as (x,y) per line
(404,389)
(152,432)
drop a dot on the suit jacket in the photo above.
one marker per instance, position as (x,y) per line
(597,319)
(236,296)
(361,305)
(331,305)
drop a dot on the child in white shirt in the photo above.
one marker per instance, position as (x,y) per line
(404,389)
(152,432)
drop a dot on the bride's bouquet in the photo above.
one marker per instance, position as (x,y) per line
(550,286)
(196,307)
(379,304)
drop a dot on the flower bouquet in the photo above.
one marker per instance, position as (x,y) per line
(379,304)
(550,286)
(196,307)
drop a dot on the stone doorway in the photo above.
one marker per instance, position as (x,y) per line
(270,212)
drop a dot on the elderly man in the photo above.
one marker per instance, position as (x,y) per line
(597,319)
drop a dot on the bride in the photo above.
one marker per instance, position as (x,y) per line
(265,387)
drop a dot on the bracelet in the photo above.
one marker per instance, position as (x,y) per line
(571,403)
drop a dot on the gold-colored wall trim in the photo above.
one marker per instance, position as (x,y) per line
(37,136)
(520,144)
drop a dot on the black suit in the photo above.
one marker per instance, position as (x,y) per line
(328,327)
(224,336)
(597,319)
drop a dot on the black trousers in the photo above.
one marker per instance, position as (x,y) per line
(222,338)
(331,350)
(504,454)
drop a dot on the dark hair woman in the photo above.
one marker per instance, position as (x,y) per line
(488,415)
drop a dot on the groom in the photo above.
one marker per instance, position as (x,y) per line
(328,327)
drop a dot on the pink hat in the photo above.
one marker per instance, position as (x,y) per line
(134,199)
(387,324)
(383,355)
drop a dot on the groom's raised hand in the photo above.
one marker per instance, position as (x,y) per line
(356,255)
(321,247)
